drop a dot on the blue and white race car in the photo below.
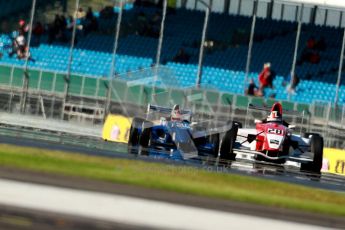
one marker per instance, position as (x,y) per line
(170,133)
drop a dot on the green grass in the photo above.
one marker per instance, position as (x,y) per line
(176,178)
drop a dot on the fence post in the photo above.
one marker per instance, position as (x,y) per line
(113,61)
(161,33)
(293,67)
(250,46)
(203,38)
(26,75)
(70,59)
(340,71)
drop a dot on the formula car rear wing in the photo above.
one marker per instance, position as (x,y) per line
(187,114)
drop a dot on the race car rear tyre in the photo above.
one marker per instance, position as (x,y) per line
(237,123)
(307,135)
(145,137)
(228,141)
(214,140)
(316,147)
(134,135)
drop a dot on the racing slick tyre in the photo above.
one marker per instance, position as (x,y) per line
(307,135)
(228,141)
(145,137)
(213,139)
(134,135)
(316,147)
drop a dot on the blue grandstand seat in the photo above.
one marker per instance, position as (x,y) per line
(223,68)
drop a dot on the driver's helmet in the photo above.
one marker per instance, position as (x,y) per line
(276,113)
(176,113)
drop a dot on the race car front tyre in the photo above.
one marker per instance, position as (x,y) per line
(316,147)
(134,135)
(228,141)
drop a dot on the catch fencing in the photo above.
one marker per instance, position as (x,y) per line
(88,98)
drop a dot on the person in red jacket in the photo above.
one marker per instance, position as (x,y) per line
(265,78)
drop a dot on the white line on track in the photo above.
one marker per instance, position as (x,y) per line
(128,210)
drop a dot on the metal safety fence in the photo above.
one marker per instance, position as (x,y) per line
(129,95)
(67,95)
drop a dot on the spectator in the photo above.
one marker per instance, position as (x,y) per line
(22,26)
(19,46)
(314,57)
(265,78)
(60,28)
(52,31)
(91,23)
(311,52)
(107,12)
(181,56)
(142,24)
(37,32)
(70,23)
(252,88)
(80,14)
(311,43)
(89,14)
(321,44)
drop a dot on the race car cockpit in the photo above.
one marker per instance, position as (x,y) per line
(276,115)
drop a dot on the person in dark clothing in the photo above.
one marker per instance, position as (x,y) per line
(252,88)
(37,32)
(91,23)
(89,14)
(321,44)
(182,57)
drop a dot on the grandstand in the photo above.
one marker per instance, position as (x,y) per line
(223,67)
(136,82)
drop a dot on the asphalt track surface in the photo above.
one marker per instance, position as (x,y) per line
(44,220)
(263,170)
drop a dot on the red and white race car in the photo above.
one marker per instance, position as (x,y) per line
(273,140)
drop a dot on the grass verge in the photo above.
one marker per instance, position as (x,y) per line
(180,179)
